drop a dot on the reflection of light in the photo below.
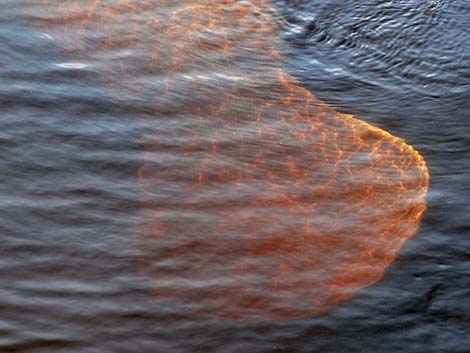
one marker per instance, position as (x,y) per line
(260,201)
(76,66)
(214,76)
(46,36)
(229,77)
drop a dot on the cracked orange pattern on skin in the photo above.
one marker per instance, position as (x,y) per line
(259,201)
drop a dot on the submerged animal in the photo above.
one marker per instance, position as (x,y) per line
(258,201)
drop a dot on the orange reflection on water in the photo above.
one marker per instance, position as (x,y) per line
(259,201)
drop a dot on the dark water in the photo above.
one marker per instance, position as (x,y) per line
(72,145)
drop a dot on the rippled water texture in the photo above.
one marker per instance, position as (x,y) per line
(419,45)
(170,186)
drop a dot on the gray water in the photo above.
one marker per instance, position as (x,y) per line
(72,145)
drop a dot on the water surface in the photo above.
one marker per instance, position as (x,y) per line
(72,145)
